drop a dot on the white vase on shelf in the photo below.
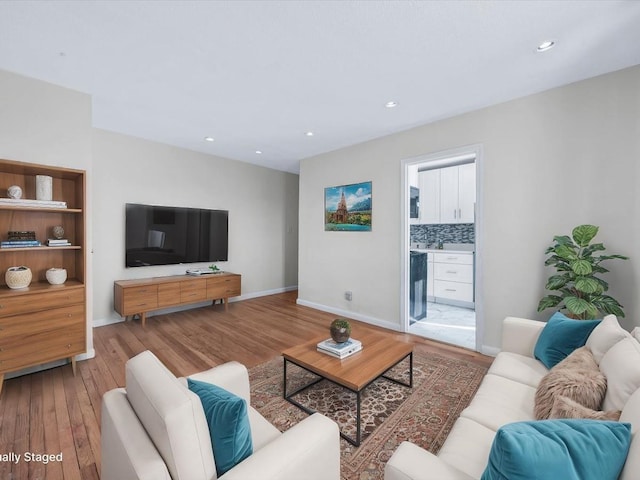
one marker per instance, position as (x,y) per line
(44,187)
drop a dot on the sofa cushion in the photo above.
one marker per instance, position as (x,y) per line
(518,368)
(563,449)
(631,414)
(172,416)
(604,336)
(577,377)
(499,401)
(228,421)
(635,333)
(561,336)
(564,407)
(621,365)
(467,446)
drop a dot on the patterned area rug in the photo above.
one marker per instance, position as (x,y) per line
(391,413)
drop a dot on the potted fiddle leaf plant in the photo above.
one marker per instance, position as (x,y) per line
(577,286)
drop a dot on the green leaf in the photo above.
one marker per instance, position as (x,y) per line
(548,302)
(583,234)
(608,305)
(556,282)
(582,267)
(565,252)
(603,283)
(587,285)
(576,305)
(610,257)
(563,240)
(596,247)
(591,312)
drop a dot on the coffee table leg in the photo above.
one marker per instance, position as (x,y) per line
(358,419)
(284,387)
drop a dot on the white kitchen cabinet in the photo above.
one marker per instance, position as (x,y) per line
(429,196)
(453,278)
(458,194)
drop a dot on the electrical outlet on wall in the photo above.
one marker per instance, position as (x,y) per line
(348,295)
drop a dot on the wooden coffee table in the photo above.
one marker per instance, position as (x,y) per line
(379,354)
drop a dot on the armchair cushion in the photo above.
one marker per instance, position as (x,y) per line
(561,336)
(567,449)
(172,417)
(228,421)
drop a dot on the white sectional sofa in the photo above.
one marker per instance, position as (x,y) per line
(156,430)
(507,394)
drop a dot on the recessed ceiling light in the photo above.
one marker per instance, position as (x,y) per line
(209,139)
(309,134)
(544,46)
(258,152)
(391,104)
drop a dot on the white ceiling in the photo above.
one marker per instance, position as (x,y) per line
(257,75)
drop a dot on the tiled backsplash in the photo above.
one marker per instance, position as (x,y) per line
(445,233)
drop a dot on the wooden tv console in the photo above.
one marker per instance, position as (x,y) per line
(139,296)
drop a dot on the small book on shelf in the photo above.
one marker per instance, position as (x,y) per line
(58,242)
(339,350)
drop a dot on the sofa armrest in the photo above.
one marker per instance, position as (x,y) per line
(519,335)
(410,462)
(309,450)
(126,449)
(231,376)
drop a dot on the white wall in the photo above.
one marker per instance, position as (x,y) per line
(262,204)
(50,125)
(552,161)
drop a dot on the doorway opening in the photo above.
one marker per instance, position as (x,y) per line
(441,256)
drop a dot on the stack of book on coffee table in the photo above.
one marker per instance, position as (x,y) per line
(339,350)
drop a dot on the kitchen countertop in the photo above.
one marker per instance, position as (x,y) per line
(448,248)
(435,250)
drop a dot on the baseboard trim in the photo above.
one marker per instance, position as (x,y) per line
(101,322)
(349,314)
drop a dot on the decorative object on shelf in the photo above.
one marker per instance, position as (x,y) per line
(14,191)
(56,276)
(340,330)
(347,208)
(580,292)
(214,268)
(18,277)
(58,232)
(44,187)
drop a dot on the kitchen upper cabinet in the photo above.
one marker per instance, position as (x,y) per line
(430,196)
(458,194)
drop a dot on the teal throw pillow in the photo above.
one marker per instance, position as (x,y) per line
(561,336)
(228,424)
(563,449)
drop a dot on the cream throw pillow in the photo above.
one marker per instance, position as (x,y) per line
(576,377)
(604,336)
(621,365)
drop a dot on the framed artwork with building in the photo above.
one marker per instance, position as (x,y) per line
(347,208)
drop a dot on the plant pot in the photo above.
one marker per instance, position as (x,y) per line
(56,276)
(18,277)
(339,332)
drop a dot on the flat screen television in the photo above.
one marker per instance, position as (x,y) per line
(157,235)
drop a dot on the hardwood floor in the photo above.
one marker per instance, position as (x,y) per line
(53,412)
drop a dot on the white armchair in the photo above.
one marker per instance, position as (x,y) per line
(156,430)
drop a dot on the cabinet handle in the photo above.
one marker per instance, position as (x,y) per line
(1,306)
(68,345)
(459,213)
(454,213)
(452,258)
(452,271)
(450,290)
(69,315)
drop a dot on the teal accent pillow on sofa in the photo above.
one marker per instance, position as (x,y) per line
(561,336)
(228,421)
(559,449)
